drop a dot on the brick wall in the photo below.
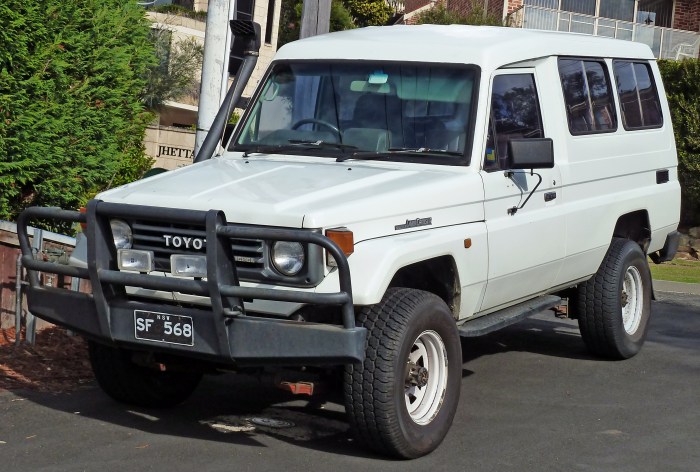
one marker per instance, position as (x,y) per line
(494,7)
(464,7)
(514,5)
(686,15)
(413,5)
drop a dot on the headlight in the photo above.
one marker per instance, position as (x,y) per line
(121,232)
(288,257)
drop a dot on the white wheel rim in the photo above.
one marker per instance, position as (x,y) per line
(631,299)
(424,402)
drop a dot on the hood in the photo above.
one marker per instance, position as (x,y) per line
(301,192)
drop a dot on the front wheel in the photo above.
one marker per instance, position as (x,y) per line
(614,306)
(401,400)
(127,382)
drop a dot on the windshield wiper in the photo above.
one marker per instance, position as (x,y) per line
(424,150)
(296,144)
(262,149)
(372,155)
(308,144)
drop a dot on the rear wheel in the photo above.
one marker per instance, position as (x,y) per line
(127,382)
(401,400)
(614,306)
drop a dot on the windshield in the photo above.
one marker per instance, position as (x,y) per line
(418,112)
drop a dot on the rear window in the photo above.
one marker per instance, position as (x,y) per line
(588,96)
(639,98)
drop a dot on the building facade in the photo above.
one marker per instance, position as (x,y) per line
(671,28)
(170,140)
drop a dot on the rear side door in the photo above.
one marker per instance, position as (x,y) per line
(526,243)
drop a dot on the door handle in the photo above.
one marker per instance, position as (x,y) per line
(549,196)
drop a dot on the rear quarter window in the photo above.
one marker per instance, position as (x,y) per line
(588,96)
(639,98)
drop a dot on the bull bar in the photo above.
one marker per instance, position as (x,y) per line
(222,332)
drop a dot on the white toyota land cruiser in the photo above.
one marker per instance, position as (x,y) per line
(387,191)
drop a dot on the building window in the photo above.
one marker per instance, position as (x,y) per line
(553,4)
(655,12)
(639,99)
(589,103)
(617,9)
(270,21)
(244,9)
(649,12)
(586,7)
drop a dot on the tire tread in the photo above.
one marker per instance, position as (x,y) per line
(597,303)
(132,384)
(369,387)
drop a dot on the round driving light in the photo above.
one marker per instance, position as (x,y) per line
(121,232)
(288,257)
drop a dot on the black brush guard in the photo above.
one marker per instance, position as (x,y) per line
(222,333)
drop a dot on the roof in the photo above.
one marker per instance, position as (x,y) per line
(488,46)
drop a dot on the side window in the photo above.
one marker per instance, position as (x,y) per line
(515,113)
(639,99)
(588,96)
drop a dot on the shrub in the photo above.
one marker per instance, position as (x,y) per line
(681,79)
(441,15)
(72,75)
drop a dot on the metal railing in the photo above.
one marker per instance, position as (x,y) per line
(666,43)
(40,252)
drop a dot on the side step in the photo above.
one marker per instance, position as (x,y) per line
(508,316)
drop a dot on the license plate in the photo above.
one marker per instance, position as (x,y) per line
(163,327)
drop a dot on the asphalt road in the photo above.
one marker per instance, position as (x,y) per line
(532,400)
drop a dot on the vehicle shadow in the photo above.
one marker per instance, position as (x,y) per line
(542,334)
(231,408)
(244,410)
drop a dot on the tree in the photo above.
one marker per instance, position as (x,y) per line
(440,15)
(176,73)
(72,77)
(369,12)
(345,14)
(681,79)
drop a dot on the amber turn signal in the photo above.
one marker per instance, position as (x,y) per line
(83,226)
(344,239)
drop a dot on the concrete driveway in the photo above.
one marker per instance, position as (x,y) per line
(532,400)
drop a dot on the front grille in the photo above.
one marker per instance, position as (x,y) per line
(167,239)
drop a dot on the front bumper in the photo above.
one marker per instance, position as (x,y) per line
(223,332)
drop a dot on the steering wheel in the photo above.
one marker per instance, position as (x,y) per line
(328,125)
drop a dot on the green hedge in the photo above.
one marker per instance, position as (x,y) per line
(682,82)
(72,120)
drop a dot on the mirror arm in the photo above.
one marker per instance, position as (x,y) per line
(510,174)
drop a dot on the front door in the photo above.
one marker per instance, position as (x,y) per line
(526,240)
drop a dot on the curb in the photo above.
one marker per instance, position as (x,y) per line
(676,287)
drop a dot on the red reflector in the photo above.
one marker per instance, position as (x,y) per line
(298,388)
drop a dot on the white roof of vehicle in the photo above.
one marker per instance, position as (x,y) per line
(487,46)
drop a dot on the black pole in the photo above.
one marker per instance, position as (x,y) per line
(251,32)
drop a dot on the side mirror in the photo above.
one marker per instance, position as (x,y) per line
(532,153)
